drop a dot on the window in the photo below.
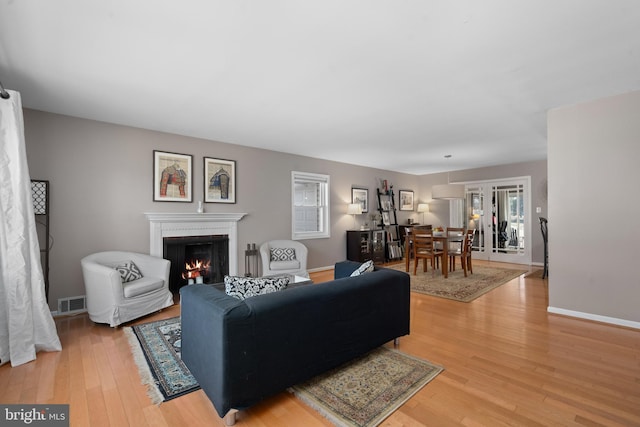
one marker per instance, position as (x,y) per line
(310,205)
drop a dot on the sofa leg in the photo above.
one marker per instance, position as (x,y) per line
(396,342)
(230,418)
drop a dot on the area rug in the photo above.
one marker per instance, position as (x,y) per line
(535,274)
(156,351)
(456,286)
(367,390)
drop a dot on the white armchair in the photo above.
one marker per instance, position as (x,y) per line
(289,257)
(112,301)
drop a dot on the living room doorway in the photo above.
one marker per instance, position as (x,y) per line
(500,212)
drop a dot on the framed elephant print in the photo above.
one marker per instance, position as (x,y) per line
(172,177)
(219,180)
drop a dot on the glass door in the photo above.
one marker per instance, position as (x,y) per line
(475,217)
(499,212)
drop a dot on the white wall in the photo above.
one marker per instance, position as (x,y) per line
(594,202)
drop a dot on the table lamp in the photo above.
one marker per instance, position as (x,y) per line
(354,209)
(423,207)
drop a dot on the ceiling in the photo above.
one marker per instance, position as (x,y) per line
(395,84)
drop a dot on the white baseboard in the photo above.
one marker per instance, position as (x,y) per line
(594,317)
(56,313)
(315,270)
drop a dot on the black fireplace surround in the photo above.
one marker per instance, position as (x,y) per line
(213,249)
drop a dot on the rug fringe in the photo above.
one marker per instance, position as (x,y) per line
(316,406)
(334,415)
(146,376)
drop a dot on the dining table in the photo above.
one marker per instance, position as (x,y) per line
(442,237)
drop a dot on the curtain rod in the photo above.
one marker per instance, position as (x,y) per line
(3,93)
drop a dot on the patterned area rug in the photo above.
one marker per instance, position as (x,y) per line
(536,274)
(367,390)
(456,286)
(156,351)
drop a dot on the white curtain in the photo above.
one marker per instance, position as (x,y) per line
(26,324)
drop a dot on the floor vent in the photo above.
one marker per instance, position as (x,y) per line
(72,305)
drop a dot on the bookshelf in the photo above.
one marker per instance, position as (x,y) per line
(389,222)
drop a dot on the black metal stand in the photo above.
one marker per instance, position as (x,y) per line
(543,228)
(251,261)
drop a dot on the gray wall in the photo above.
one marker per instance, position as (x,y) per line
(101,184)
(594,150)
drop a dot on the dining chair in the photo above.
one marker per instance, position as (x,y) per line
(455,248)
(408,241)
(423,248)
(465,253)
(408,247)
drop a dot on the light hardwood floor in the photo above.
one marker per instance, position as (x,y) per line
(507,362)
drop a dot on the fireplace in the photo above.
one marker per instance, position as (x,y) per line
(196,259)
(199,227)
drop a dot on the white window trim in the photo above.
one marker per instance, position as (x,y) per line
(317,178)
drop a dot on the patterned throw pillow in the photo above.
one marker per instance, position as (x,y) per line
(367,267)
(283,254)
(129,271)
(246,287)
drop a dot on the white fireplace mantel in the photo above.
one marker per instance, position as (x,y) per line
(194,224)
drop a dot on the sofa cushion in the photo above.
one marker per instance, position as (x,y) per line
(366,267)
(246,287)
(129,271)
(283,254)
(142,286)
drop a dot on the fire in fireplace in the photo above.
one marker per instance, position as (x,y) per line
(196,259)
(196,270)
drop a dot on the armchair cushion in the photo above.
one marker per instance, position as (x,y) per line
(129,271)
(142,286)
(284,265)
(246,287)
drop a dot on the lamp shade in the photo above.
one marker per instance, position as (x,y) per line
(423,207)
(354,209)
(448,191)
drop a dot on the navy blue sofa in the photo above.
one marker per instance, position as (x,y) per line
(241,352)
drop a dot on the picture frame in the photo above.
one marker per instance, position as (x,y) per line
(172,177)
(405,200)
(219,180)
(361,196)
(385,218)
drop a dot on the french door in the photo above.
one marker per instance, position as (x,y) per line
(500,213)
